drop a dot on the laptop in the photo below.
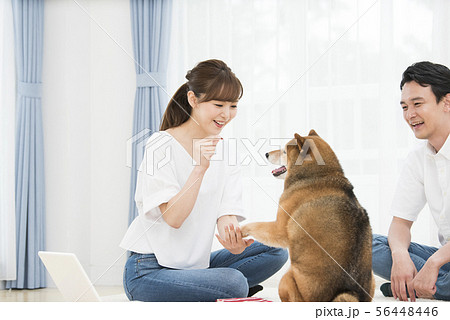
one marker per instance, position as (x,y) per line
(69,276)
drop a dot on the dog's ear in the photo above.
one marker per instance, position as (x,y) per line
(300,140)
(312,133)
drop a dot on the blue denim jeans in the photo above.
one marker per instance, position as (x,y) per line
(382,263)
(229,275)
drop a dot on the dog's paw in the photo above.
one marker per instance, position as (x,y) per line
(247,230)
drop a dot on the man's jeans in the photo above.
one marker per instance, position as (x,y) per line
(229,275)
(382,263)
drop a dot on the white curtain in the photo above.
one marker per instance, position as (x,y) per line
(334,66)
(7,125)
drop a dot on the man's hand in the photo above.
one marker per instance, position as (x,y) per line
(403,269)
(233,241)
(424,283)
(402,274)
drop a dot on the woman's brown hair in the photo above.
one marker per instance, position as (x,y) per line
(209,80)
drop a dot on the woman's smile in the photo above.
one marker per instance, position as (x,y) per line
(219,124)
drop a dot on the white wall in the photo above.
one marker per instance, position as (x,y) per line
(88,97)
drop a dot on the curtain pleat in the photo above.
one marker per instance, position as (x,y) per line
(150,22)
(30,188)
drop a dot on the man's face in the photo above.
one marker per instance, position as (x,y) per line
(424,116)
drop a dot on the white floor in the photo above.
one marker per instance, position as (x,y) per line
(271,293)
(53,295)
(116,294)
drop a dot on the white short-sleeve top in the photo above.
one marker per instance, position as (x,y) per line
(164,170)
(425,178)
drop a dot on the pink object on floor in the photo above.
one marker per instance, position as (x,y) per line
(251,299)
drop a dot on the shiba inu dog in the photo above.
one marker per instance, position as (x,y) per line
(322,223)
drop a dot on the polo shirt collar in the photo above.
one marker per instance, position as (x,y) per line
(445,150)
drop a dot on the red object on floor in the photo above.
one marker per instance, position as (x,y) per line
(251,299)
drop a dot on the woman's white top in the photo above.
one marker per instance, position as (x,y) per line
(165,168)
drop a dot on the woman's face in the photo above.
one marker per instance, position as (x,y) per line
(213,115)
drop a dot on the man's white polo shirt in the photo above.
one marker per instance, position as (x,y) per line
(425,178)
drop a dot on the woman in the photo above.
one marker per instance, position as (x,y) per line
(183,192)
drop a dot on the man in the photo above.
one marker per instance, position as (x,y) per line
(416,270)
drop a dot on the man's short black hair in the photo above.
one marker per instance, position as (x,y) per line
(427,74)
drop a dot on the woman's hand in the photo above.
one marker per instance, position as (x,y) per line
(233,241)
(204,149)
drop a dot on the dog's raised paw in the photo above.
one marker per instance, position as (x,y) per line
(246,230)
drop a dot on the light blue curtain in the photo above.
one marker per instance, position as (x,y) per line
(30,192)
(150,21)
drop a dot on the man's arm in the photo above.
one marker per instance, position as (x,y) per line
(441,257)
(403,269)
(425,281)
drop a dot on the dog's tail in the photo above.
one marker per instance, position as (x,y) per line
(346,297)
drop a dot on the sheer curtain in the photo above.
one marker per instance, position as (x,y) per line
(334,66)
(7,107)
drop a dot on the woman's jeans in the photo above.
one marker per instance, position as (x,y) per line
(229,275)
(382,263)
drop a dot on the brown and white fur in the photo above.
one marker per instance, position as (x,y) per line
(322,223)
